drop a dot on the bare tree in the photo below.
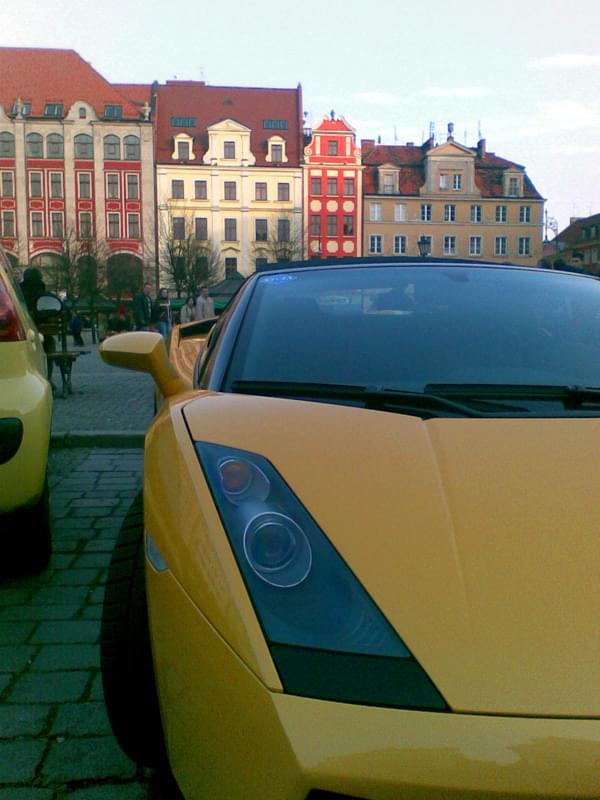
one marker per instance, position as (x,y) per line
(80,268)
(281,240)
(188,257)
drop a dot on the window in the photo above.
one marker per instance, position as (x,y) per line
(200,190)
(53,110)
(275,124)
(83,146)
(56,225)
(231,230)
(228,149)
(283,230)
(133,186)
(8,223)
(25,109)
(84,182)
(388,184)
(55,146)
(112,185)
(443,181)
(315,186)
(375,244)
(85,225)
(177,189)
(427,243)
(332,186)
(426,212)
(525,214)
(133,226)
(332,147)
(399,245)
(500,213)
(37,223)
(35,184)
(56,184)
(183,151)
(513,187)
(332,225)
(524,246)
(201,229)
(7,145)
(349,187)
(500,249)
(457,182)
(400,212)
(132,148)
(82,112)
(449,245)
(112,148)
(114,226)
(178,228)
(34,145)
(375,214)
(475,213)
(230,190)
(348,222)
(449,212)
(183,122)
(283,191)
(475,245)
(260,191)
(277,153)
(315,225)
(8,189)
(113,111)
(230,263)
(260,230)
(260,261)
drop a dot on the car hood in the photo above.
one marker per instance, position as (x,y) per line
(477,538)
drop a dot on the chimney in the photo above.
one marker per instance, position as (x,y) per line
(410,144)
(367,143)
(481,148)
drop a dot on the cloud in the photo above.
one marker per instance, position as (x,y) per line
(457,91)
(565,61)
(380,98)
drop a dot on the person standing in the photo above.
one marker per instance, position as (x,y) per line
(187,311)
(142,308)
(161,313)
(205,307)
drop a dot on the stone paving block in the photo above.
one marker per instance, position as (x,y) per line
(96,691)
(49,687)
(115,791)
(60,594)
(99,560)
(81,719)
(29,612)
(27,793)
(76,577)
(95,502)
(16,720)
(92,512)
(97,595)
(69,524)
(86,758)
(66,631)
(15,596)
(19,760)
(66,656)
(16,632)
(65,545)
(5,681)
(61,560)
(92,612)
(15,657)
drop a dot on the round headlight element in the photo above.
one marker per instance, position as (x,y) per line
(242,481)
(277,550)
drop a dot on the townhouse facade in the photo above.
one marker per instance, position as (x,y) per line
(76,164)
(449,200)
(229,177)
(332,194)
(578,245)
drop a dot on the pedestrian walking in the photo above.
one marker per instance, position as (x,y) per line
(205,307)
(142,308)
(187,311)
(161,313)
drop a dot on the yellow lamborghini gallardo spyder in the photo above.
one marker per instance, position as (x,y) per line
(367,559)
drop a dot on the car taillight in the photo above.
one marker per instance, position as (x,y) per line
(11,329)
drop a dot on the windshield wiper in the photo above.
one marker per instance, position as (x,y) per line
(421,404)
(571,396)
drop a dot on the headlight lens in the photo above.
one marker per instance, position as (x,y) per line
(317,617)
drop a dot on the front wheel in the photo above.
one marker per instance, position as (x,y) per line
(125,651)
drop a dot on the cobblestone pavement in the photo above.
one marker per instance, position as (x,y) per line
(55,738)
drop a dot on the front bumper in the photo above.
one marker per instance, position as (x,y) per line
(228,736)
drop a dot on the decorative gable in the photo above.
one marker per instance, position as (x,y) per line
(450,170)
(229,145)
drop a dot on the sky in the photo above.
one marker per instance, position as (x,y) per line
(523,74)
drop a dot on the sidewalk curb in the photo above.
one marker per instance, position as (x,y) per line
(98,439)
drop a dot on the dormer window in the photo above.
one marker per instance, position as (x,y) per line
(332,147)
(53,110)
(276,150)
(228,149)
(183,151)
(183,148)
(513,185)
(82,112)
(113,112)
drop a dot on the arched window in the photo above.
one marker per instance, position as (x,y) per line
(7,145)
(84,146)
(55,146)
(34,144)
(112,148)
(132,148)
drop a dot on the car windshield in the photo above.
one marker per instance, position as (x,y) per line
(411,327)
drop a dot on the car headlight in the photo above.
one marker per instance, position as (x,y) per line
(327,637)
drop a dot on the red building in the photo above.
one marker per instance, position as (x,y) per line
(332,191)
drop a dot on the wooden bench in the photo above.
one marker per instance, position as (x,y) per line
(63,357)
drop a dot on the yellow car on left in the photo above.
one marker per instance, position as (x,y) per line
(25,419)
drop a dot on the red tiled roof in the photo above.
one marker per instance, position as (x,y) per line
(572,234)
(138,93)
(41,76)
(328,124)
(211,104)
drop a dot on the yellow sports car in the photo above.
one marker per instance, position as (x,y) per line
(369,548)
(25,416)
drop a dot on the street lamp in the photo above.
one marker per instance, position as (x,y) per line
(423,244)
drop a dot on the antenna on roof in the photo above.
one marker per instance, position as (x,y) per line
(395,136)
(479,136)
(432,130)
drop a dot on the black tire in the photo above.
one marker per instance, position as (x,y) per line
(125,650)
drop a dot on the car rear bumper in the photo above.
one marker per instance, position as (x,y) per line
(228,736)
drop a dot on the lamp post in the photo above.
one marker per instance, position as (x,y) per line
(423,244)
